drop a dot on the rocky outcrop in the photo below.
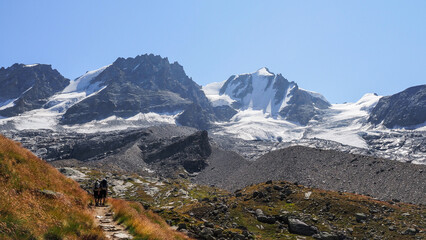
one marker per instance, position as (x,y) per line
(403,109)
(27,87)
(189,152)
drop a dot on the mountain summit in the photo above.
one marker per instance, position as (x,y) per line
(268,92)
(144,84)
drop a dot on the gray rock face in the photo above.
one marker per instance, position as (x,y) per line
(146,83)
(165,149)
(303,107)
(189,152)
(29,86)
(403,109)
(273,94)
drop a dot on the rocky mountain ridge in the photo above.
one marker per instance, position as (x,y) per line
(150,84)
(27,87)
(260,108)
(143,84)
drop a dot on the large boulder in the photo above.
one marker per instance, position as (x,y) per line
(298,227)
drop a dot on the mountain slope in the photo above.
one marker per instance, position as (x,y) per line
(37,201)
(403,109)
(328,169)
(27,87)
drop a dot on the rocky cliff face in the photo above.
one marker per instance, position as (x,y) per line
(403,109)
(166,149)
(27,87)
(270,93)
(143,84)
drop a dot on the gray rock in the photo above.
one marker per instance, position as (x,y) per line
(50,193)
(181,226)
(326,236)
(360,217)
(122,236)
(298,227)
(410,231)
(266,219)
(259,212)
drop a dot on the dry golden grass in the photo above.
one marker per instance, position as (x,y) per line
(144,224)
(28,213)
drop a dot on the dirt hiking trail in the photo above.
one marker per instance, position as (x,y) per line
(113,230)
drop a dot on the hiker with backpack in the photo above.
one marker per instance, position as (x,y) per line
(97,192)
(104,191)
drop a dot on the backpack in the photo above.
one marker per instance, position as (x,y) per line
(104,184)
(97,186)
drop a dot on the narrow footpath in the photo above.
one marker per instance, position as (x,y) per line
(113,230)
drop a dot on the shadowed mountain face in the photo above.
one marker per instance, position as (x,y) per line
(27,87)
(166,149)
(143,84)
(403,109)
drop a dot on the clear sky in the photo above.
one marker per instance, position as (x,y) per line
(341,49)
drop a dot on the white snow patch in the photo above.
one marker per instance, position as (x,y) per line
(212,93)
(11,102)
(287,97)
(83,83)
(345,122)
(136,67)
(315,94)
(35,119)
(8,103)
(31,65)
(256,125)
(118,123)
(263,72)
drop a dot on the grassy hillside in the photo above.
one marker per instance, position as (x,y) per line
(38,202)
(143,224)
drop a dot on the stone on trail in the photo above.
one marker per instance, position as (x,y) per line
(122,236)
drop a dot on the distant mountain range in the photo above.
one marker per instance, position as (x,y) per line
(149,90)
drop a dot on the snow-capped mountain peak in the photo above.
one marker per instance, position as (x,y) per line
(263,72)
(270,93)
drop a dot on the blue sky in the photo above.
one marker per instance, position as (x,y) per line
(341,49)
